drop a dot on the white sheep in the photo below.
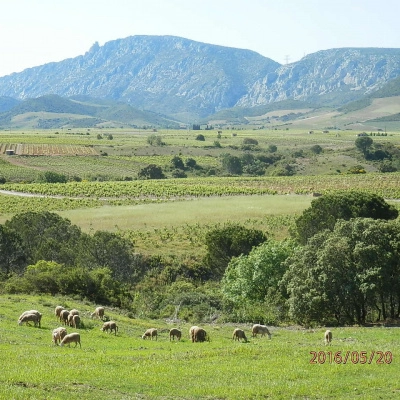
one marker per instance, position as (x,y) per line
(29,318)
(175,333)
(328,337)
(199,334)
(260,329)
(191,330)
(57,311)
(35,312)
(76,321)
(98,312)
(150,333)
(59,334)
(71,338)
(110,326)
(70,317)
(74,312)
(239,334)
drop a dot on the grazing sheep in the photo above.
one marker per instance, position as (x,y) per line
(110,326)
(199,335)
(71,338)
(328,337)
(98,312)
(175,333)
(57,311)
(70,317)
(59,334)
(29,318)
(64,316)
(239,334)
(74,312)
(262,329)
(191,331)
(150,333)
(76,321)
(37,313)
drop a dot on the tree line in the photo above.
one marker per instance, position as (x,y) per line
(340,265)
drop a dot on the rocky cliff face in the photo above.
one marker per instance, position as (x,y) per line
(335,76)
(162,73)
(180,77)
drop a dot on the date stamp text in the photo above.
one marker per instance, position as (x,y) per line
(351,357)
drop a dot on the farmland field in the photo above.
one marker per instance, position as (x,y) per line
(127,367)
(170,217)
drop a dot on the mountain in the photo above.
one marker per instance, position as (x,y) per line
(189,80)
(330,77)
(6,103)
(53,111)
(166,74)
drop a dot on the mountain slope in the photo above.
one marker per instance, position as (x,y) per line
(166,74)
(330,77)
(53,111)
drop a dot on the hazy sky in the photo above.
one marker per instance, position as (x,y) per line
(35,32)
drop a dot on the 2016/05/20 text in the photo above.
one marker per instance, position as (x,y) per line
(354,357)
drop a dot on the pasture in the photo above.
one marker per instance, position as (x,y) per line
(127,367)
(170,216)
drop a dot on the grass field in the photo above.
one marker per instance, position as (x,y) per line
(126,367)
(170,217)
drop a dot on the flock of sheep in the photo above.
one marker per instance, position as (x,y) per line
(72,319)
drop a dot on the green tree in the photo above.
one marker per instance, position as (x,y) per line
(12,257)
(327,209)
(46,236)
(250,277)
(152,171)
(177,163)
(316,149)
(232,164)
(54,177)
(364,143)
(229,241)
(324,287)
(155,140)
(109,250)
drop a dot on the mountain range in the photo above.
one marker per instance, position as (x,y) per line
(167,79)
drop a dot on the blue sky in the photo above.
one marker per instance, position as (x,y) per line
(35,32)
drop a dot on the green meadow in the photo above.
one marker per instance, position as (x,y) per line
(124,366)
(170,217)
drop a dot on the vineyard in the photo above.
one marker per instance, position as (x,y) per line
(29,149)
(385,185)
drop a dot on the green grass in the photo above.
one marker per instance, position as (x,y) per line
(127,367)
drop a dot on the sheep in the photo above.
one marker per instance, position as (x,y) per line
(110,326)
(328,337)
(199,335)
(70,317)
(64,317)
(76,321)
(74,312)
(59,334)
(98,312)
(71,338)
(191,331)
(175,333)
(57,311)
(239,334)
(152,332)
(29,318)
(37,313)
(262,329)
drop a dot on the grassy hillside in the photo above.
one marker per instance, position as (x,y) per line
(293,364)
(52,111)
